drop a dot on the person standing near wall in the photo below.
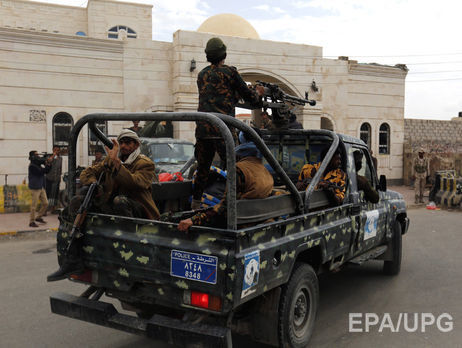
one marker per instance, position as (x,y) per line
(220,88)
(38,167)
(420,171)
(136,127)
(53,179)
(98,156)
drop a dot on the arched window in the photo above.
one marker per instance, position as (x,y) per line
(62,124)
(384,139)
(365,133)
(114,32)
(80,33)
(93,142)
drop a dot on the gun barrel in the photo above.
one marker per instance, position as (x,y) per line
(274,92)
(295,100)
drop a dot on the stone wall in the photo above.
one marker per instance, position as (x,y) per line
(105,14)
(441,140)
(94,21)
(43,17)
(375,95)
(46,74)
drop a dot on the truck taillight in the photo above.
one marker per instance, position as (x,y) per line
(199,299)
(86,276)
(202,300)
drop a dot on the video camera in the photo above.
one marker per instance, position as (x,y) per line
(41,158)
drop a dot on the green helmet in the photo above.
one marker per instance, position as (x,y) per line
(215,48)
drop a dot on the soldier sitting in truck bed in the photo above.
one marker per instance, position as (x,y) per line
(128,178)
(253,181)
(126,191)
(333,179)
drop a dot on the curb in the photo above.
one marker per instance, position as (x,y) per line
(414,206)
(15,233)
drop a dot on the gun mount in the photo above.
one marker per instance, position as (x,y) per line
(280,103)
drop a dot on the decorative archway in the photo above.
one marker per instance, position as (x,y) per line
(254,75)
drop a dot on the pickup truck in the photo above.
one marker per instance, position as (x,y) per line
(259,275)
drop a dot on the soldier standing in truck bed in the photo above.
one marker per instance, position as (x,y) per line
(420,172)
(220,88)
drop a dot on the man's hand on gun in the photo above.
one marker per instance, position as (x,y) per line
(184,225)
(113,153)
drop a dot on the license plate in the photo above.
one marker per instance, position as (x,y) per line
(198,267)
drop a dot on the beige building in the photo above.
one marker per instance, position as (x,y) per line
(60,63)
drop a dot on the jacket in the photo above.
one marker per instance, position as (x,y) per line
(220,88)
(37,176)
(253,181)
(133,180)
(336,177)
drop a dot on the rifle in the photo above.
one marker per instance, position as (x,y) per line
(82,213)
(71,261)
(279,102)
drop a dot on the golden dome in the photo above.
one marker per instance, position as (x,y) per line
(230,25)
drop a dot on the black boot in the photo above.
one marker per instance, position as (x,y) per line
(68,268)
(72,263)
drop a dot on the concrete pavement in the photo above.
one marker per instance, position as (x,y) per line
(18,223)
(409,196)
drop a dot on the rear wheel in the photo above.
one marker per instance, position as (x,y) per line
(298,307)
(393,266)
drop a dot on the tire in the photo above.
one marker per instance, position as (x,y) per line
(393,266)
(298,306)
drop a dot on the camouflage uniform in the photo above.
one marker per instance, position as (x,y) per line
(337,177)
(220,87)
(420,170)
(253,181)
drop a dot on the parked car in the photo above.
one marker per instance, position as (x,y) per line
(168,154)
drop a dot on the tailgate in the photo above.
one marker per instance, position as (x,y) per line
(153,262)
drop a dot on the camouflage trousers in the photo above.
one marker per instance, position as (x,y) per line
(204,152)
(419,186)
(120,205)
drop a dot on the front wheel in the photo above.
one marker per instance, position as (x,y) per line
(298,307)
(393,266)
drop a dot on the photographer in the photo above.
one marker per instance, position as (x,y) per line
(38,167)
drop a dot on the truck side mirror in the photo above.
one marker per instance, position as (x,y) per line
(383,183)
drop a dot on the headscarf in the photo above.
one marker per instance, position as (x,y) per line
(127,133)
(247,148)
